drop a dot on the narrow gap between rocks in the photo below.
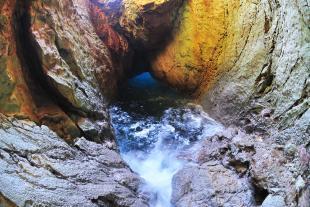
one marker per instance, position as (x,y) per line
(46,97)
(32,66)
(260,194)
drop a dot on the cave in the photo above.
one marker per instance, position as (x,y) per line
(132,103)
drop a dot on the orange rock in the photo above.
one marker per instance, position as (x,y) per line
(192,57)
(15,97)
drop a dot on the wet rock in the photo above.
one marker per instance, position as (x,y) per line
(38,168)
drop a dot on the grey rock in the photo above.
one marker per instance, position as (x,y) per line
(224,164)
(274,201)
(210,185)
(290,149)
(268,82)
(304,199)
(39,168)
(300,184)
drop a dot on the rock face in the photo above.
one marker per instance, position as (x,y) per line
(233,168)
(55,70)
(17,96)
(270,72)
(14,95)
(75,63)
(146,23)
(238,53)
(210,184)
(38,168)
(248,62)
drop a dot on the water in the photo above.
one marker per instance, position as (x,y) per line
(153,125)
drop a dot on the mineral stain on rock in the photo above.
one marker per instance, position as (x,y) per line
(154,103)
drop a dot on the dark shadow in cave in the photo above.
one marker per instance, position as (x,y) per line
(143,51)
(259,193)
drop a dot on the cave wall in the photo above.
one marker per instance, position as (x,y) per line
(15,95)
(55,68)
(57,77)
(243,58)
(270,75)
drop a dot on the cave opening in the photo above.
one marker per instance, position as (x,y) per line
(154,122)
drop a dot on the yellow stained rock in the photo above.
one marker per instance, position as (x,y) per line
(199,40)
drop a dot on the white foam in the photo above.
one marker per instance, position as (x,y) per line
(176,129)
(157,169)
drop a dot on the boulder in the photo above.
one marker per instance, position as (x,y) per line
(210,184)
(39,168)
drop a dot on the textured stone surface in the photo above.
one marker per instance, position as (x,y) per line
(73,57)
(38,168)
(210,184)
(17,96)
(270,71)
(61,61)
(273,201)
(55,69)
(146,23)
(246,56)
(118,45)
(233,168)
(14,93)
(198,40)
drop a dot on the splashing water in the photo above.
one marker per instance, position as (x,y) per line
(153,131)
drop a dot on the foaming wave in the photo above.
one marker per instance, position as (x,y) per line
(151,145)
